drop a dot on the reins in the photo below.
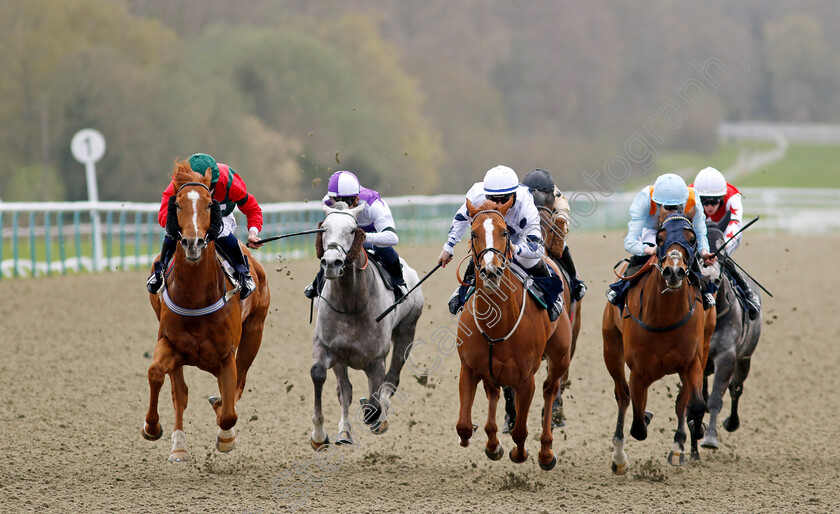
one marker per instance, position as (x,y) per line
(336,246)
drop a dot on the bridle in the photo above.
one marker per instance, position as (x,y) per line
(504,255)
(206,238)
(335,245)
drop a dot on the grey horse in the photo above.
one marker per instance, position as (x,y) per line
(733,343)
(346,333)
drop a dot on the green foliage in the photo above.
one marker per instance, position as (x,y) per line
(802,166)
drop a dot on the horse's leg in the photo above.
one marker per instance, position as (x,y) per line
(226,408)
(689,404)
(467,384)
(736,388)
(345,396)
(322,361)
(493,450)
(614,360)
(249,345)
(638,397)
(179,401)
(724,363)
(524,393)
(402,336)
(165,358)
(376,409)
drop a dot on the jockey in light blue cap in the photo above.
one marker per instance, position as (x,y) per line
(668,193)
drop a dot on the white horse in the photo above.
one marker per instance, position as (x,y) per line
(347,334)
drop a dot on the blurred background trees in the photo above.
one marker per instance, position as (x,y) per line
(415,96)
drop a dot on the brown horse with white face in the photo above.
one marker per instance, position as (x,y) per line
(662,330)
(502,338)
(203,322)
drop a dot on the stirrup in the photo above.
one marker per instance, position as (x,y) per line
(310,292)
(155,282)
(580,291)
(400,290)
(454,304)
(612,297)
(708,301)
(248,286)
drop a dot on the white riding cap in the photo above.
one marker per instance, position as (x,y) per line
(670,189)
(710,182)
(500,180)
(343,183)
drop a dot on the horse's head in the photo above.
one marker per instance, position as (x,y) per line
(490,241)
(341,242)
(193,218)
(675,248)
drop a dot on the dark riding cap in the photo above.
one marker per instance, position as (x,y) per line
(538,179)
(199,162)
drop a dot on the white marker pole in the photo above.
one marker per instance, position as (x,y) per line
(88,146)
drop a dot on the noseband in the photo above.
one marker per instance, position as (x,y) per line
(504,255)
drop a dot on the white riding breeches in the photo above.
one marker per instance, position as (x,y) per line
(228,225)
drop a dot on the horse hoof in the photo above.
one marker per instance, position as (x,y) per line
(506,428)
(710,443)
(639,432)
(731,425)
(475,428)
(381,428)
(179,456)
(557,419)
(151,437)
(518,459)
(676,458)
(214,400)
(695,456)
(318,446)
(703,427)
(497,455)
(648,417)
(344,439)
(550,464)
(619,469)
(226,441)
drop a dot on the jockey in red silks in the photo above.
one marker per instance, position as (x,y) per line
(722,205)
(377,222)
(228,188)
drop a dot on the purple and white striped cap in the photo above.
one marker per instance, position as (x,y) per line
(343,183)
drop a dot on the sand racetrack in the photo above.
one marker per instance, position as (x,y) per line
(75,392)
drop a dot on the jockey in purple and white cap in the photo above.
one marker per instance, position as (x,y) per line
(375,219)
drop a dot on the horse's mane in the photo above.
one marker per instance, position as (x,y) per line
(183,173)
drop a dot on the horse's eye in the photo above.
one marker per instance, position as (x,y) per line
(177,207)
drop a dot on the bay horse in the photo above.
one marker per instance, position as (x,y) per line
(202,323)
(732,345)
(662,330)
(346,332)
(502,338)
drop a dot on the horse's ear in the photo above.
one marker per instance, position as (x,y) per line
(507,205)
(356,247)
(319,242)
(327,209)
(208,177)
(471,210)
(357,209)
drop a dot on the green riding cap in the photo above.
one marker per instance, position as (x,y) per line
(199,162)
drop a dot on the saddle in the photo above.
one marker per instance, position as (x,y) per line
(544,290)
(377,265)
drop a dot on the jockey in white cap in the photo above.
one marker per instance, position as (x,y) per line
(523,221)
(722,205)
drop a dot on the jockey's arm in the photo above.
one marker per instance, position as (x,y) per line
(460,223)
(248,205)
(385,234)
(699,225)
(164,204)
(529,243)
(736,218)
(638,217)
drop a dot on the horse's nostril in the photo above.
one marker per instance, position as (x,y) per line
(680,273)
(200,242)
(184,242)
(323,262)
(339,263)
(667,272)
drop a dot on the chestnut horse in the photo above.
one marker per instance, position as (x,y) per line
(555,226)
(502,338)
(662,330)
(198,325)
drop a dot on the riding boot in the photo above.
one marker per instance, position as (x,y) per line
(156,280)
(459,297)
(554,305)
(751,299)
(706,285)
(617,292)
(394,268)
(229,246)
(578,286)
(314,289)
